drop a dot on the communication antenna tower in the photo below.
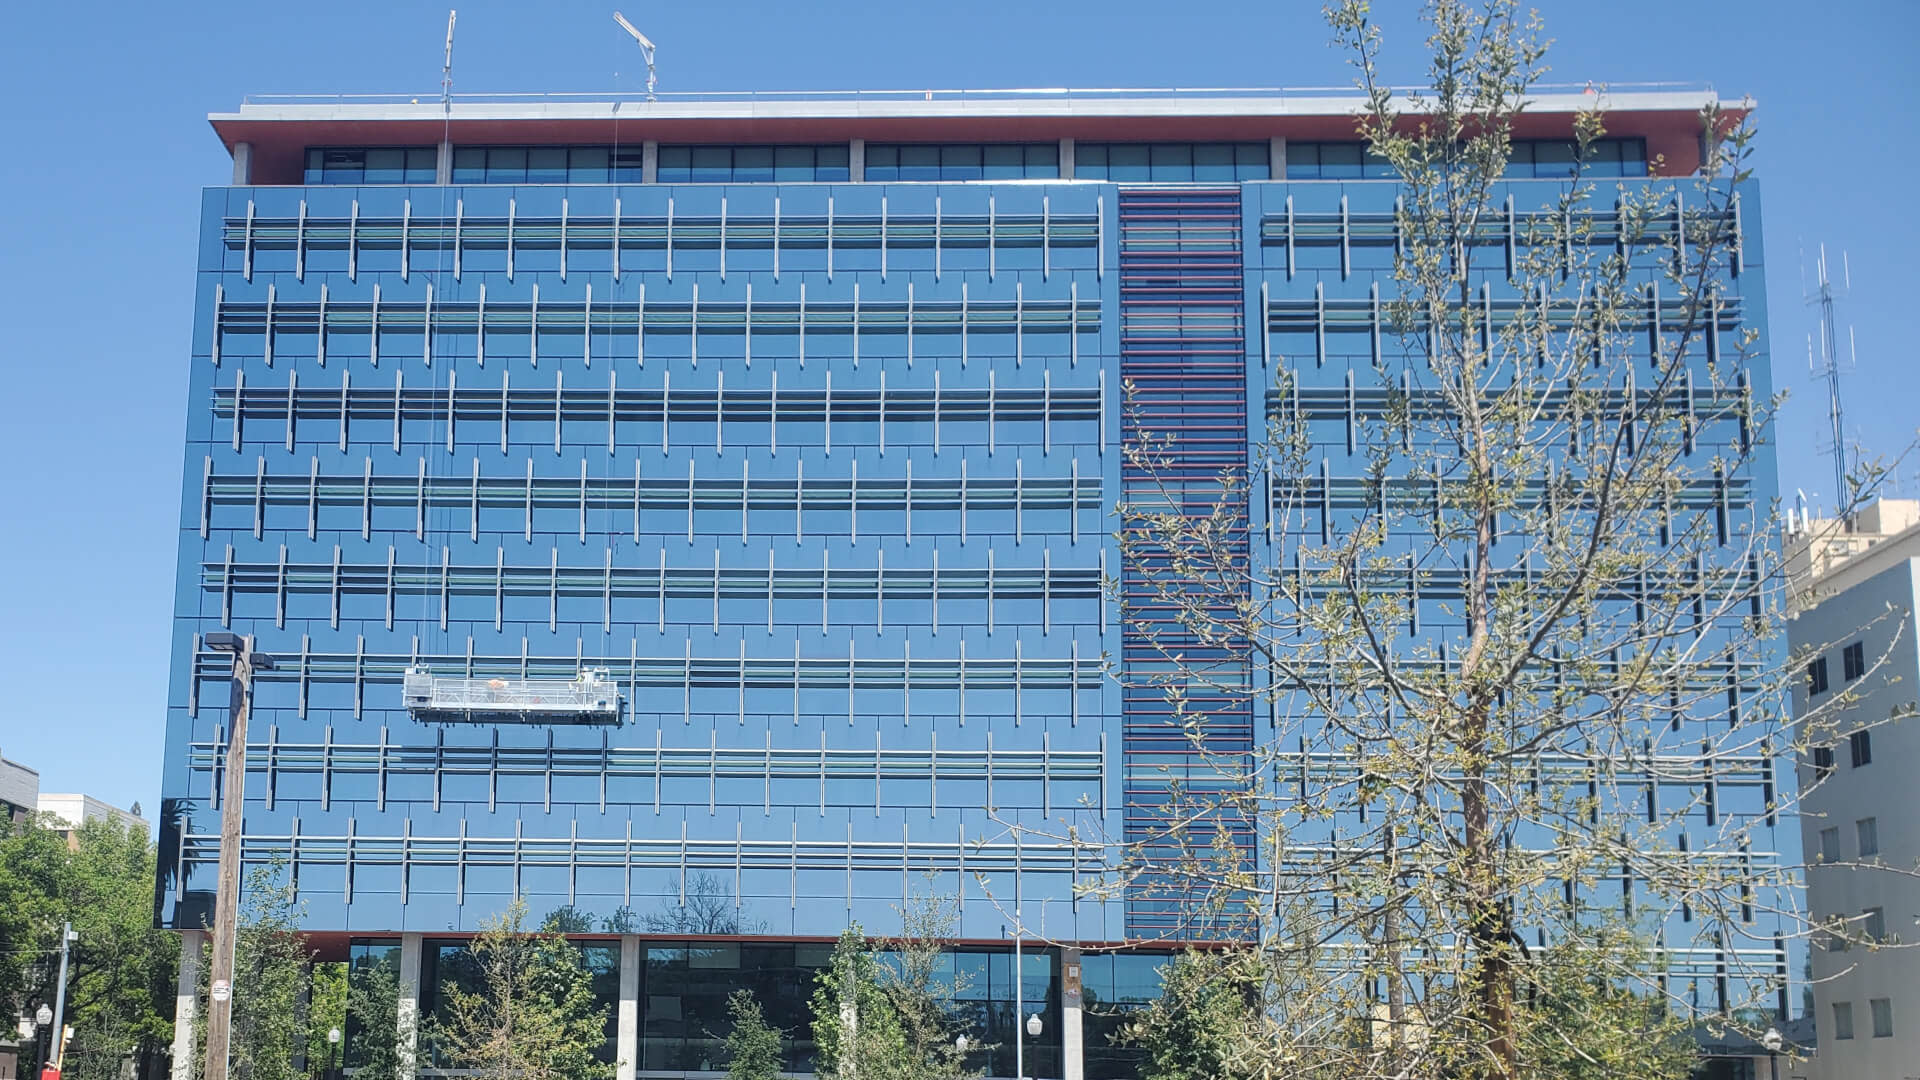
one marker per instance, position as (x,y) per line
(446,68)
(646,49)
(1827,366)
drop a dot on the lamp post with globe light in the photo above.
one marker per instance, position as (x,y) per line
(1773,1041)
(43,1024)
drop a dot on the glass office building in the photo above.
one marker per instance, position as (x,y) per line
(791,432)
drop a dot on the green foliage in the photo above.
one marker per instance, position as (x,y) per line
(1189,1034)
(326,1011)
(856,1032)
(270,961)
(121,970)
(920,981)
(1250,1014)
(533,1017)
(891,1014)
(753,1046)
(373,1016)
(1585,1021)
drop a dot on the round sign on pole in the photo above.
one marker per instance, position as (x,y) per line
(222,990)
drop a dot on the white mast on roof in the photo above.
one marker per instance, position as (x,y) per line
(446,69)
(646,49)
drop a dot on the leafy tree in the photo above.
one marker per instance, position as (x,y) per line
(327,1003)
(1192,1031)
(1578,1022)
(34,863)
(889,1011)
(753,1046)
(271,959)
(1242,1013)
(121,969)
(373,1016)
(533,1016)
(922,983)
(856,1032)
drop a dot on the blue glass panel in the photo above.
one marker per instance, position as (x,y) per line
(469,165)
(960,163)
(1213,161)
(712,165)
(752,165)
(792,163)
(507,165)
(1170,162)
(1128,164)
(587,165)
(675,164)
(1004,162)
(919,163)
(547,165)
(883,163)
(385,166)
(1340,161)
(423,165)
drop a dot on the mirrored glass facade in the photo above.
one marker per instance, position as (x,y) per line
(813,453)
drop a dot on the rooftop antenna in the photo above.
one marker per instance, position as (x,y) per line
(1828,367)
(446,68)
(646,49)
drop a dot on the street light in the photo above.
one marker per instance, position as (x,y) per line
(43,1022)
(333,1050)
(1773,1041)
(227,889)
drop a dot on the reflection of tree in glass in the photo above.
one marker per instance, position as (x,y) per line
(567,919)
(373,1015)
(709,909)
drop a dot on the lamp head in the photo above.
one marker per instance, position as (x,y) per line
(1033,1024)
(1773,1040)
(43,1015)
(223,641)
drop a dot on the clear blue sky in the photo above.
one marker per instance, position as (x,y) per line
(107,146)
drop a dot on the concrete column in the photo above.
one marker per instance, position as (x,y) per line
(407,1029)
(650,161)
(443,164)
(1072,1041)
(857,161)
(242,172)
(1066,159)
(186,1000)
(1277,156)
(627,1052)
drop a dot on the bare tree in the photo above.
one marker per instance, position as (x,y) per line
(1519,697)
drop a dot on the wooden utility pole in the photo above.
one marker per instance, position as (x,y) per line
(226,904)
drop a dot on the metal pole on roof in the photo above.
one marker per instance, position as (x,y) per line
(446,68)
(646,49)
